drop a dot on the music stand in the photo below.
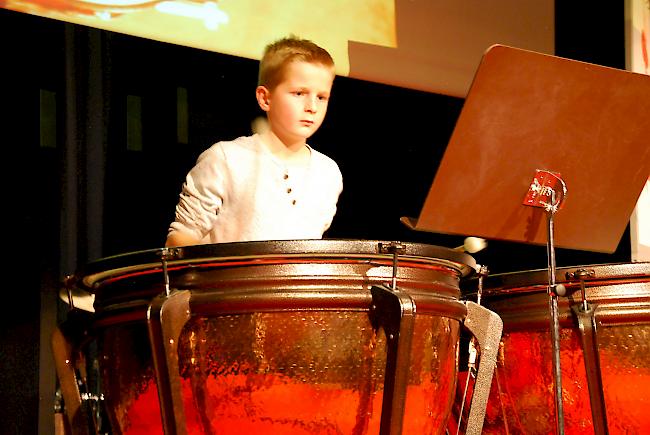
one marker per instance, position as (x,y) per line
(527,111)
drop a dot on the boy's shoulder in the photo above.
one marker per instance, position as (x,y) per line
(249,143)
(324,162)
(237,151)
(322,157)
(241,146)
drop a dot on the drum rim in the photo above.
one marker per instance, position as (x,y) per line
(117,265)
(539,277)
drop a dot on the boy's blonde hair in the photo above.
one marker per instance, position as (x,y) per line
(279,54)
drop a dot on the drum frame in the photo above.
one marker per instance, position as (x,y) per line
(605,283)
(389,308)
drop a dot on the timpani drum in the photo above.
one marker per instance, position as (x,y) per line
(604,351)
(286,337)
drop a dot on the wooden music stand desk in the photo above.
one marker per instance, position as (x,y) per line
(527,111)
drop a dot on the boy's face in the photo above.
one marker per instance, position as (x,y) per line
(296,106)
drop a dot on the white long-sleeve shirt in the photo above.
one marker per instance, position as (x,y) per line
(238,191)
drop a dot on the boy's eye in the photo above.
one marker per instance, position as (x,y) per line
(298,93)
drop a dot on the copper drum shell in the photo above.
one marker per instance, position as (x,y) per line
(522,398)
(273,337)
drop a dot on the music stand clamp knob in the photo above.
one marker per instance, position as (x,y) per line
(559,290)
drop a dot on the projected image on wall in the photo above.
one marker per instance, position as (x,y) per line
(236,27)
(427,46)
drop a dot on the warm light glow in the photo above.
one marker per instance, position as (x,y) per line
(232,27)
(428,46)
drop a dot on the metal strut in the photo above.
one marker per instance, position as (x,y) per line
(586,316)
(394,311)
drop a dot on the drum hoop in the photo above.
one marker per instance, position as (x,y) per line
(251,253)
(91,282)
(536,280)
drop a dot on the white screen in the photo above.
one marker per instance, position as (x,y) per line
(638,55)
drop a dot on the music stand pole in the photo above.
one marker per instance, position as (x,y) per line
(551,209)
(542,193)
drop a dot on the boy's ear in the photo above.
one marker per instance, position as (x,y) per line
(263,94)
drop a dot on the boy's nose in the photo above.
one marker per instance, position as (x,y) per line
(310,105)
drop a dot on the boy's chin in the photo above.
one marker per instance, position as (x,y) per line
(304,135)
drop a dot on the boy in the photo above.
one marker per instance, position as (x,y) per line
(271,185)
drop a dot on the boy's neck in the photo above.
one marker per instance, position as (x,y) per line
(295,153)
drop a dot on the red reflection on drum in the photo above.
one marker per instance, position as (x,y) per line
(308,373)
(143,415)
(522,402)
(528,381)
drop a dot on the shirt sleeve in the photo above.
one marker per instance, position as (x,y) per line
(202,195)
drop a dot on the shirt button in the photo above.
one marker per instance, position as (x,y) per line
(289,190)
(286,176)
(293,202)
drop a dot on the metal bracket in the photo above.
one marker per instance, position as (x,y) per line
(167,254)
(587,325)
(166,317)
(487,327)
(394,311)
(394,248)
